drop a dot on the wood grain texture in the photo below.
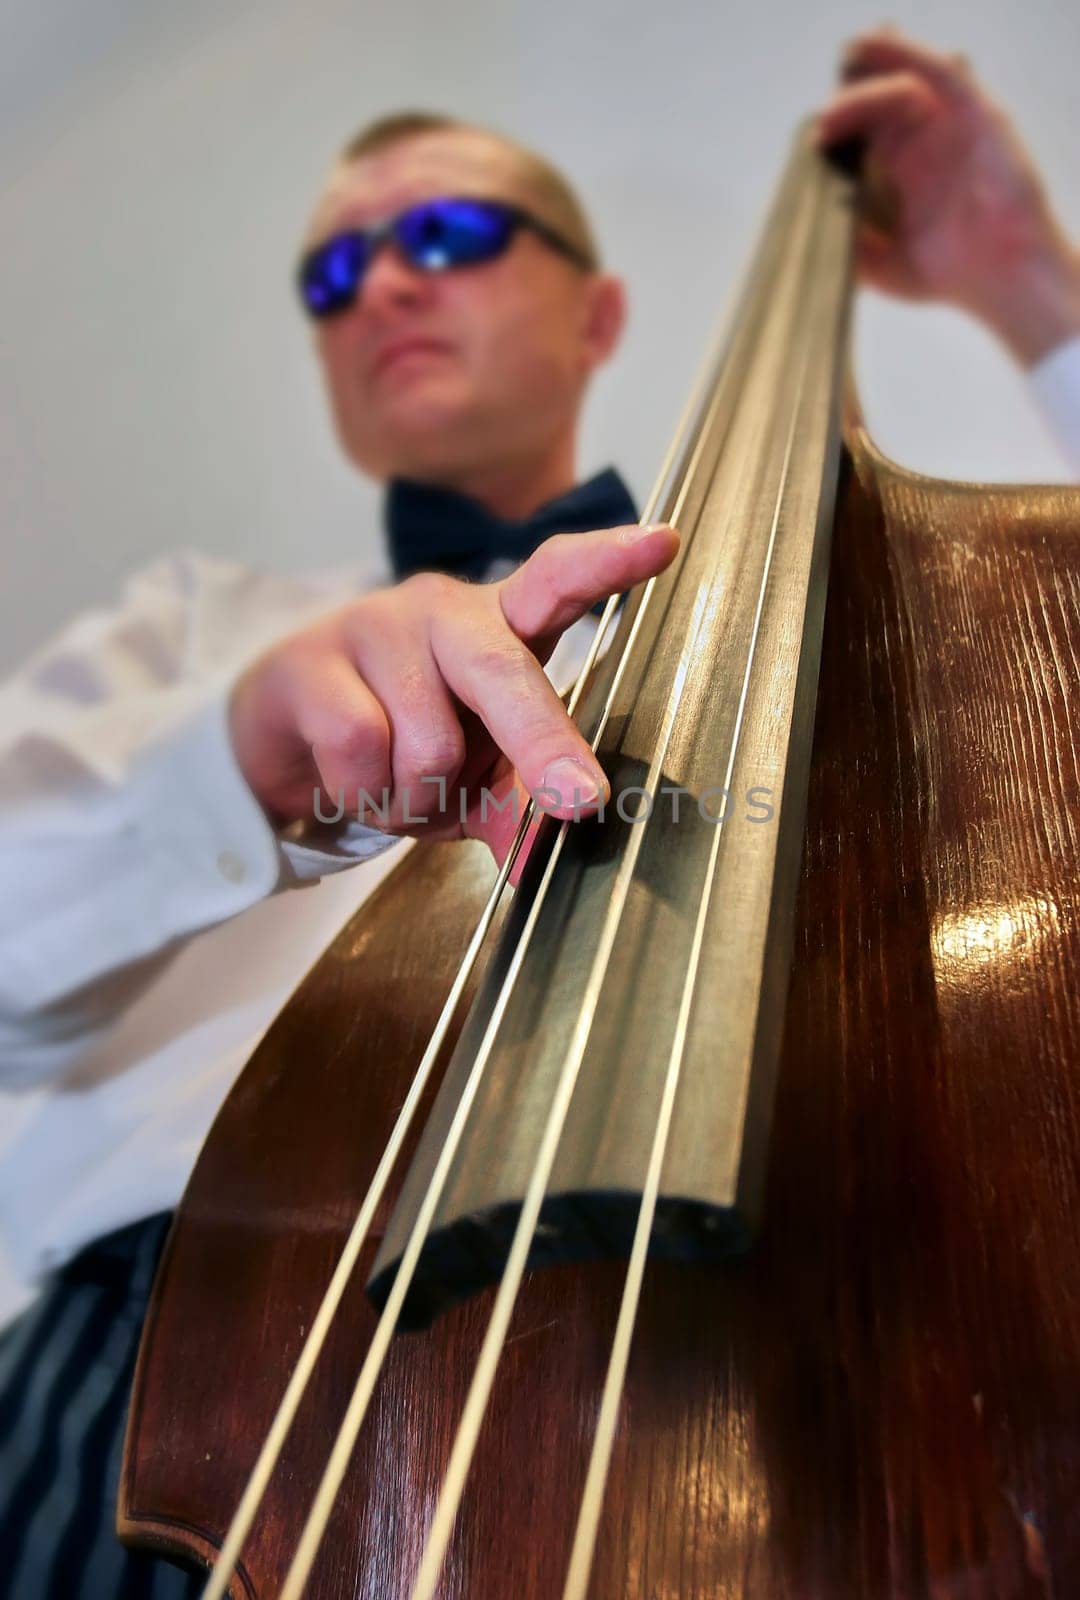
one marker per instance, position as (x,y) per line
(883,1401)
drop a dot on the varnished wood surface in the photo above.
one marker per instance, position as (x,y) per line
(268,1208)
(883,1402)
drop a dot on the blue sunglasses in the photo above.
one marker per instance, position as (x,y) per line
(433,236)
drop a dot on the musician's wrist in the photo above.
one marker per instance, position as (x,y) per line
(1034,305)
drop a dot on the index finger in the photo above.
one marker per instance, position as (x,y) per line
(568,574)
(888,50)
(899,101)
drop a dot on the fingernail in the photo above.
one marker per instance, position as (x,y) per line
(572,781)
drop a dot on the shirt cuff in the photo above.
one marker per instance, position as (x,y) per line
(1055,384)
(221,849)
(311,851)
(212,849)
(179,844)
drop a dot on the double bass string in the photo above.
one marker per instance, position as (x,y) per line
(302,1372)
(283,1419)
(591,1503)
(592,1498)
(476,1402)
(311,1349)
(270,1452)
(513,1271)
(345,1441)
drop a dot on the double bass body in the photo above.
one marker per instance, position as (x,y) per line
(881,1399)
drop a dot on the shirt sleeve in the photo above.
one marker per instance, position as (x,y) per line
(1055,383)
(126,825)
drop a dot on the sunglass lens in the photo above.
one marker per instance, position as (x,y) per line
(453,233)
(329,276)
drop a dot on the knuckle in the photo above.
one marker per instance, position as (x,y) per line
(548,559)
(363,738)
(427,735)
(554,573)
(290,657)
(431,591)
(555,550)
(371,608)
(434,752)
(545,737)
(500,661)
(411,688)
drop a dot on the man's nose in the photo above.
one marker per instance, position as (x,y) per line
(392,281)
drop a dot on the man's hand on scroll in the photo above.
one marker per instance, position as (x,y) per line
(955,210)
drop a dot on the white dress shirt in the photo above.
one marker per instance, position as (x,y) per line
(1055,384)
(152,922)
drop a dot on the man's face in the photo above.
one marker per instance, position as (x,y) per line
(440,376)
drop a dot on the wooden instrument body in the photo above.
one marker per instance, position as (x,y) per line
(883,1398)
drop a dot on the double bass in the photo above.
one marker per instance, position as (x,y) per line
(459,1299)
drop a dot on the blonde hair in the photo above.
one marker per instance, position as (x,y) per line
(550,194)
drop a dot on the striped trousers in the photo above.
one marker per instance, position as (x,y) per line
(66,1367)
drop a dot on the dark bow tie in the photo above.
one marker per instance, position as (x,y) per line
(439,530)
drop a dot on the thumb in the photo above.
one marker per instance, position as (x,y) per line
(568,574)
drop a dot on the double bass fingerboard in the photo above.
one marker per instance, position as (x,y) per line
(642,970)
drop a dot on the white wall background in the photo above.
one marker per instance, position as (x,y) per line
(157,161)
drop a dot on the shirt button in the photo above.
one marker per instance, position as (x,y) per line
(231,867)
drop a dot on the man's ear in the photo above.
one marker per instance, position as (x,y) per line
(605,317)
